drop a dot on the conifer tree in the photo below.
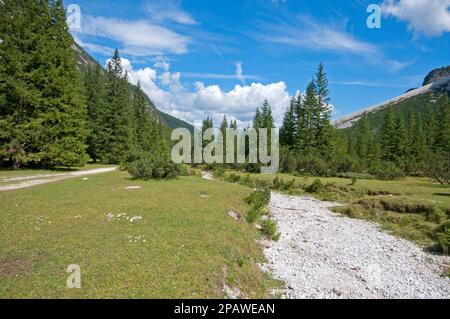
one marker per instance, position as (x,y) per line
(48,125)
(118,120)
(430,129)
(223,130)
(310,120)
(443,135)
(257,120)
(364,138)
(96,109)
(287,130)
(399,140)
(388,146)
(267,120)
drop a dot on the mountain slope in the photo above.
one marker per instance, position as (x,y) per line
(419,99)
(85,60)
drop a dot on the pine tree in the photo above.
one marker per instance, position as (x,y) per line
(257,120)
(287,130)
(322,114)
(364,138)
(96,109)
(300,126)
(388,146)
(207,124)
(147,136)
(430,129)
(267,120)
(22,23)
(118,121)
(400,140)
(321,85)
(223,130)
(310,120)
(49,123)
(443,136)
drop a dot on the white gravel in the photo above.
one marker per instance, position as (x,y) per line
(325,255)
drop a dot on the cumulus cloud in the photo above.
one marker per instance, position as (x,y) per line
(138,38)
(165,90)
(429,17)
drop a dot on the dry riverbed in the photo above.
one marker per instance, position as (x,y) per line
(325,255)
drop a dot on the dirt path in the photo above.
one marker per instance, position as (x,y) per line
(30,181)
(325,255)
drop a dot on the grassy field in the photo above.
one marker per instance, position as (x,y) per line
(411,208)
(181,242)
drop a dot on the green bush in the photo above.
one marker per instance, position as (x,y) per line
(387,171)
(315,166)
(141,165)
(442,235)
(347,164)
(259,198)
(253,215)
(219,172)
(315,187)
(269,229)
(247,180)
(232,178)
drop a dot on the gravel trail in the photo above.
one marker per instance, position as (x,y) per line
(325,255)
(30,181)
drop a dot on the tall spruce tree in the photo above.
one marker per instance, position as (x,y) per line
(223,130)
(430,129)
(49,123)
(322,114)
(118,120)
(94,83)
(364,138)
(442,143)
(310,120)
(287,130)
(400,140)
(388,145)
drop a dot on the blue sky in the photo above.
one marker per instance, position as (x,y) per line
(198,58)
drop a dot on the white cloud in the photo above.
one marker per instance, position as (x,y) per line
(306,32)
(238,75)
(170,10)
(429,17)
(165,90)
(139,38)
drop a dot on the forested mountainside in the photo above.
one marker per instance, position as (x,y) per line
(84,60)
(418,100)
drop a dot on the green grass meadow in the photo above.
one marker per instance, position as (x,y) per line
(185,246)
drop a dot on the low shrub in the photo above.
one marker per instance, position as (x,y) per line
(141,165)
(315,187)
(387,171)
(247,180)
(219,172)
(253,215)
(232,178)
(279,184)
(315,166)
(269,229)
(259,198)
(442,236)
